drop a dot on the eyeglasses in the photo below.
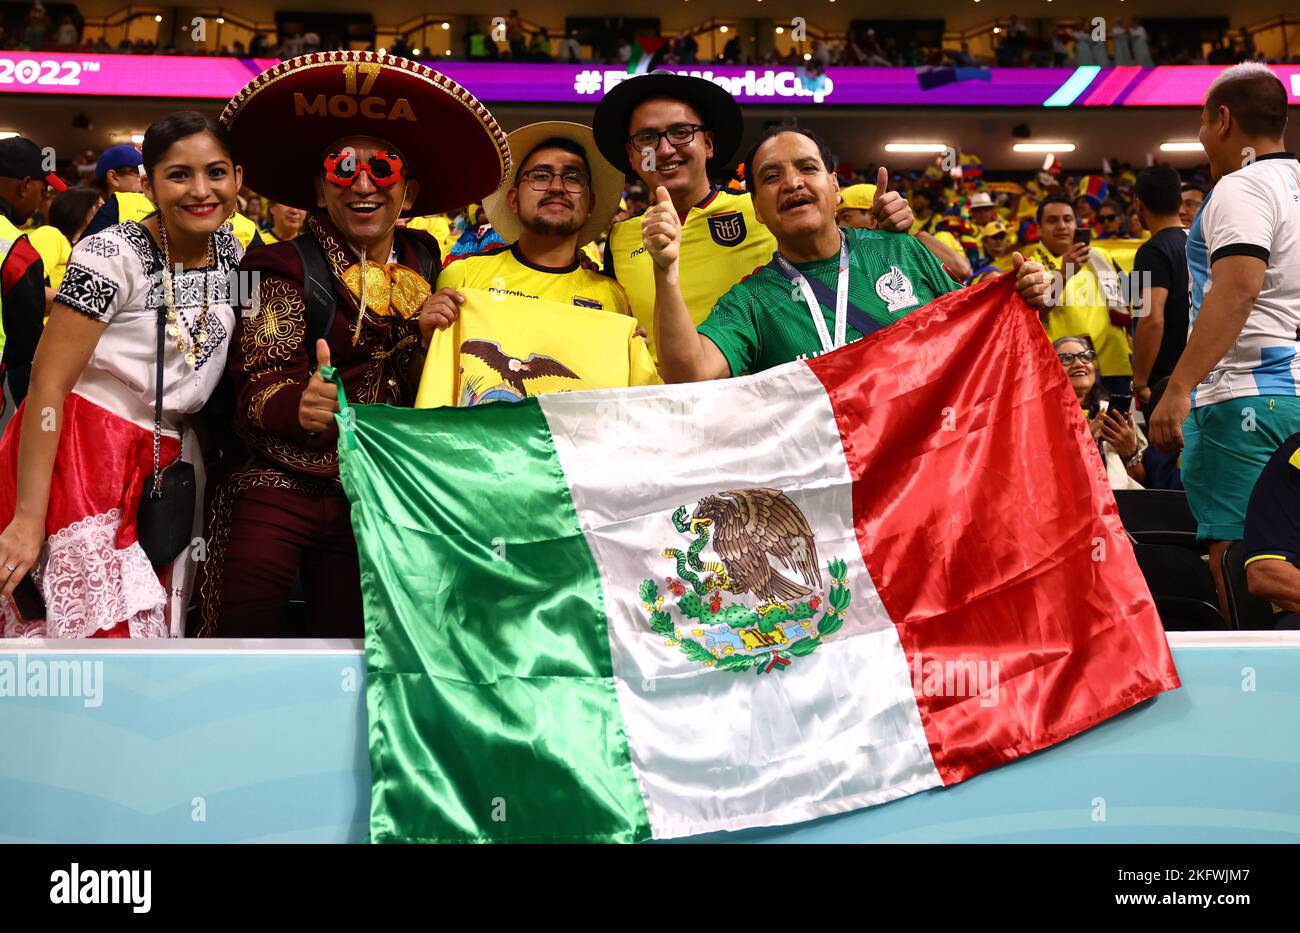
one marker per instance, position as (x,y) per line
(679,135)
(539,179)
(1107,218)
(1083,356)
(384,168)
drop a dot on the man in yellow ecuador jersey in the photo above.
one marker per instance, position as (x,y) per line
(670,130)
(561,196)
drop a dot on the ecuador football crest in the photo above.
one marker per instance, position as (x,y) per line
(727,229)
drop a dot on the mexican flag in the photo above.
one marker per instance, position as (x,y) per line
(666,610)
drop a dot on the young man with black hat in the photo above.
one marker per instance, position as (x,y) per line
(23,183)
(670,130)
(356,147)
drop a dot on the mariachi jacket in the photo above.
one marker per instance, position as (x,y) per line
(268,362)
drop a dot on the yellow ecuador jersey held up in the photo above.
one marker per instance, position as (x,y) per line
(505,348)
(507,272)
(722,242)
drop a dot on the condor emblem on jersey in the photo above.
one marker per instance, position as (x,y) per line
(727,229)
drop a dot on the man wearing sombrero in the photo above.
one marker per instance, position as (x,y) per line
(561,196)
(671,130)
(352,137)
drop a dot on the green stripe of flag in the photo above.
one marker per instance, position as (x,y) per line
(493,713)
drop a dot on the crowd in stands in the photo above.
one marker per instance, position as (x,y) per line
(1014,45)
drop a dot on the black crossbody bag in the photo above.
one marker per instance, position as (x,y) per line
(165,517)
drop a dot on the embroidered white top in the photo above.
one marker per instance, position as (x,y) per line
(115,276)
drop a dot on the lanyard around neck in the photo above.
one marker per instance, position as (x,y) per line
(815,309)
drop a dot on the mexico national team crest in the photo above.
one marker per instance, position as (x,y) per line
(765,601)
(895,290)
(727,229)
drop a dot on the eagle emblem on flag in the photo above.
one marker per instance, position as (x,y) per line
(776,606)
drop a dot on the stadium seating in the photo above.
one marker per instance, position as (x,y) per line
(1157,516)
(1181,585)
(1247,611)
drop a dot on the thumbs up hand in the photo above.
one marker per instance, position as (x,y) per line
(891,210)
(661,230)
(320,399)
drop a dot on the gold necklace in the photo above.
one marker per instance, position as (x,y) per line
(174,328)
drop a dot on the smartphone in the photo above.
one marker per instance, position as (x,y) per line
(1119,405)
(1082,235)
(27,602)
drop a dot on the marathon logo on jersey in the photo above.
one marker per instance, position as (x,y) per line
(587,302)
(727,229)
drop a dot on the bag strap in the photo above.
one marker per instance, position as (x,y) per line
(317,290)
(862,322)
(156,491)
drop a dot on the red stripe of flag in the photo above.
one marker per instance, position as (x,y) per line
(981,506)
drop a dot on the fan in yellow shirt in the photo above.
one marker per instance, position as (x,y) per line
(561,196)
(997,245)
(437,226)
(69,214)
(286,222)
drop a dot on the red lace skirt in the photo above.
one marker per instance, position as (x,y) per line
(95,577)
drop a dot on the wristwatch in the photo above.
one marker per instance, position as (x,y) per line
(1133,460)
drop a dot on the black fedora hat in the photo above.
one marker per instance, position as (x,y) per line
(717,109)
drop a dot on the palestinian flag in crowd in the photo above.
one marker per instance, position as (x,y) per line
(643,51)
(665,610)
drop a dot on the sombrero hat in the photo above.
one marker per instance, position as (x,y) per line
(283,120)
(606,181)
(716,107)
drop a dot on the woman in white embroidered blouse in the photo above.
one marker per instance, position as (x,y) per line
(75,458)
